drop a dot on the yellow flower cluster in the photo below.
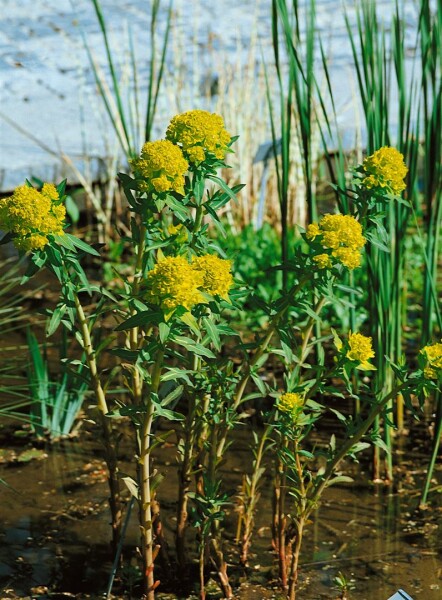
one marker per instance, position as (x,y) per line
(216,273)
(433,354)
(323,261)
(32,215)
(342,234)
(290,403)
(160,167)
(175,282)
(360,349)
(385,169)
(199,132)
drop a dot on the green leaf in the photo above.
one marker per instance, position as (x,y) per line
(81,245)
(170,415)
(377,242)
(164,331)
(177,207)
(212,332)
(190,320)
(223,185)
(259,383)
(366,367)
(339,479)
(306,454)
(129,355)
(359,447)
(56,318)
(173,395)
(61,188)
(145,317)
(336,340)
(192,346)
(174,373)
(340,416)
(63,240)
(72,209)
(378,441)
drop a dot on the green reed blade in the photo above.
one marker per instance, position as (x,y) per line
(115,83)
(155,79)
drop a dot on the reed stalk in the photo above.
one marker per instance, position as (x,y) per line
(130,132)
(378,70)
(430,29)
(298,95)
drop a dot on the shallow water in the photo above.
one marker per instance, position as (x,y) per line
(54,528)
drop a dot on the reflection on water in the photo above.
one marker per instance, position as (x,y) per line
(54,530)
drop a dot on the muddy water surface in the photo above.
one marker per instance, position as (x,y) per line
(54,534)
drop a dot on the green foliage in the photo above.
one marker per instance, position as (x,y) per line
(256,257)
(55,399)
(14,401)
(180,357)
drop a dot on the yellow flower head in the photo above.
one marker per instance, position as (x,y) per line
(290,403)
(313,231)
(174,229)
(196,154)
(341,230)
(199,132)
(32,215)
(360,349)
(385,169)
(433,354)
(161,167)
(323,261)
(349,257)
(217,276)
(342,234)
(174,282)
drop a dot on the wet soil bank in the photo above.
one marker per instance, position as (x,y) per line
(54,533)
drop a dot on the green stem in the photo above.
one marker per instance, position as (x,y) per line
(306,335)
(108,437)
(137,383)
(280,492)
(275,321)
(293,579)
(299,523)
(185,472)
(144,475)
